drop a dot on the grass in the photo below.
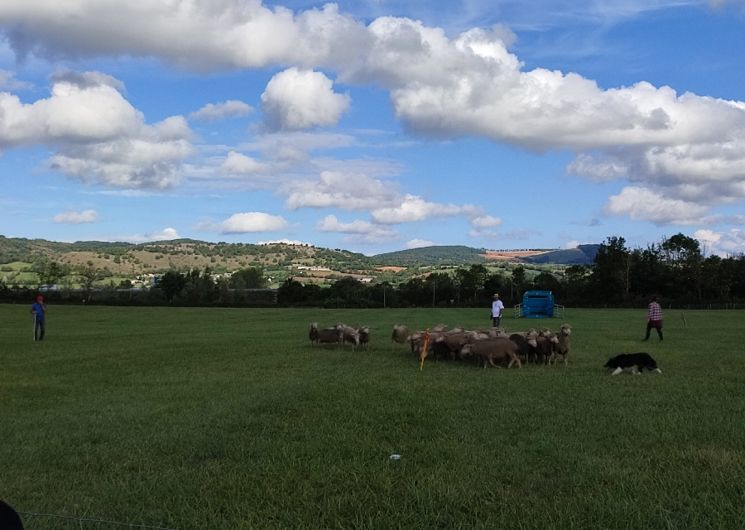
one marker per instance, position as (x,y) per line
(229,419)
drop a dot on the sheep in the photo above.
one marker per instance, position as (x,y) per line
(364,336)
(490,333)
(546,342)
(331,335)
(526,344)
(489,350)
(349,334)
(478,334)
(562,345)
(400,334)
(449,343)
(415,340)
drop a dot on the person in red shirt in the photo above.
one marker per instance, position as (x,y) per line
(654,317)
(39,310)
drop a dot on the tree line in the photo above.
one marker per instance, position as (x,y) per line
(674,269)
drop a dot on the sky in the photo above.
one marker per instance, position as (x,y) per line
(374,125)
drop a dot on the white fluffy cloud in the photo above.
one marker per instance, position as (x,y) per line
(73,217)
(485,221)
(419,243)
(482,225)
(369,231)
(642,204)
(413,208)
(301,99)
(83,109)
(166,234)
(197,34)
(219,111)
(340,190)
(690,148)
(729,243)
(152,158)
(99,137)
(285,242)
(240,164)
(246,222)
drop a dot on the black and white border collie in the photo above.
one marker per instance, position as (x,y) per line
(635,363)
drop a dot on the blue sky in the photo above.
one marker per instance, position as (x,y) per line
(374,125)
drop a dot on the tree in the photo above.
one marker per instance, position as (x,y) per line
(683,256)
(611,273)
(88,275)
(49,272)
(441,286)
(349,290)
(576,280)
(248,278)
(172,283)
(200,288)
(518,278)
(547,282)
(470,281)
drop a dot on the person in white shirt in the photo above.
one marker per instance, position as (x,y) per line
(496,310)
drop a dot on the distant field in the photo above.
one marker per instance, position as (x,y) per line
(229,419)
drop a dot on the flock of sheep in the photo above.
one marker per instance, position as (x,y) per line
(488,347)
(340,334)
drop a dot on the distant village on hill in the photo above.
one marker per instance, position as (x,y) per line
(139,265)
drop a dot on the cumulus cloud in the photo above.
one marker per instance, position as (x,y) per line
(603,168)
(99,137)
(301,99)
(219,111)
(482,225)
(642,204)
(246,222)
(240,164)
(73,217)
(485,221)
(690,148)
(339,190)
(366,229)
(413,208)
(196,34)
(728,243)
(418,243)
(285,242)
(150,159)
(78,111)
(166,234)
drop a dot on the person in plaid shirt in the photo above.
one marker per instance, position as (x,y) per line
(654,317)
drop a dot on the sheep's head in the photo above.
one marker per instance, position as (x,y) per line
(566,330)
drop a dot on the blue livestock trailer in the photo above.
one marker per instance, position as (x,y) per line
(537,304)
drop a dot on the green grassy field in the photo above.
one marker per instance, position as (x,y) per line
(229,419)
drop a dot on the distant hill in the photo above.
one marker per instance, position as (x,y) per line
(582,255)
(129,259)
(437,255)
(183,254)
(463,255)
